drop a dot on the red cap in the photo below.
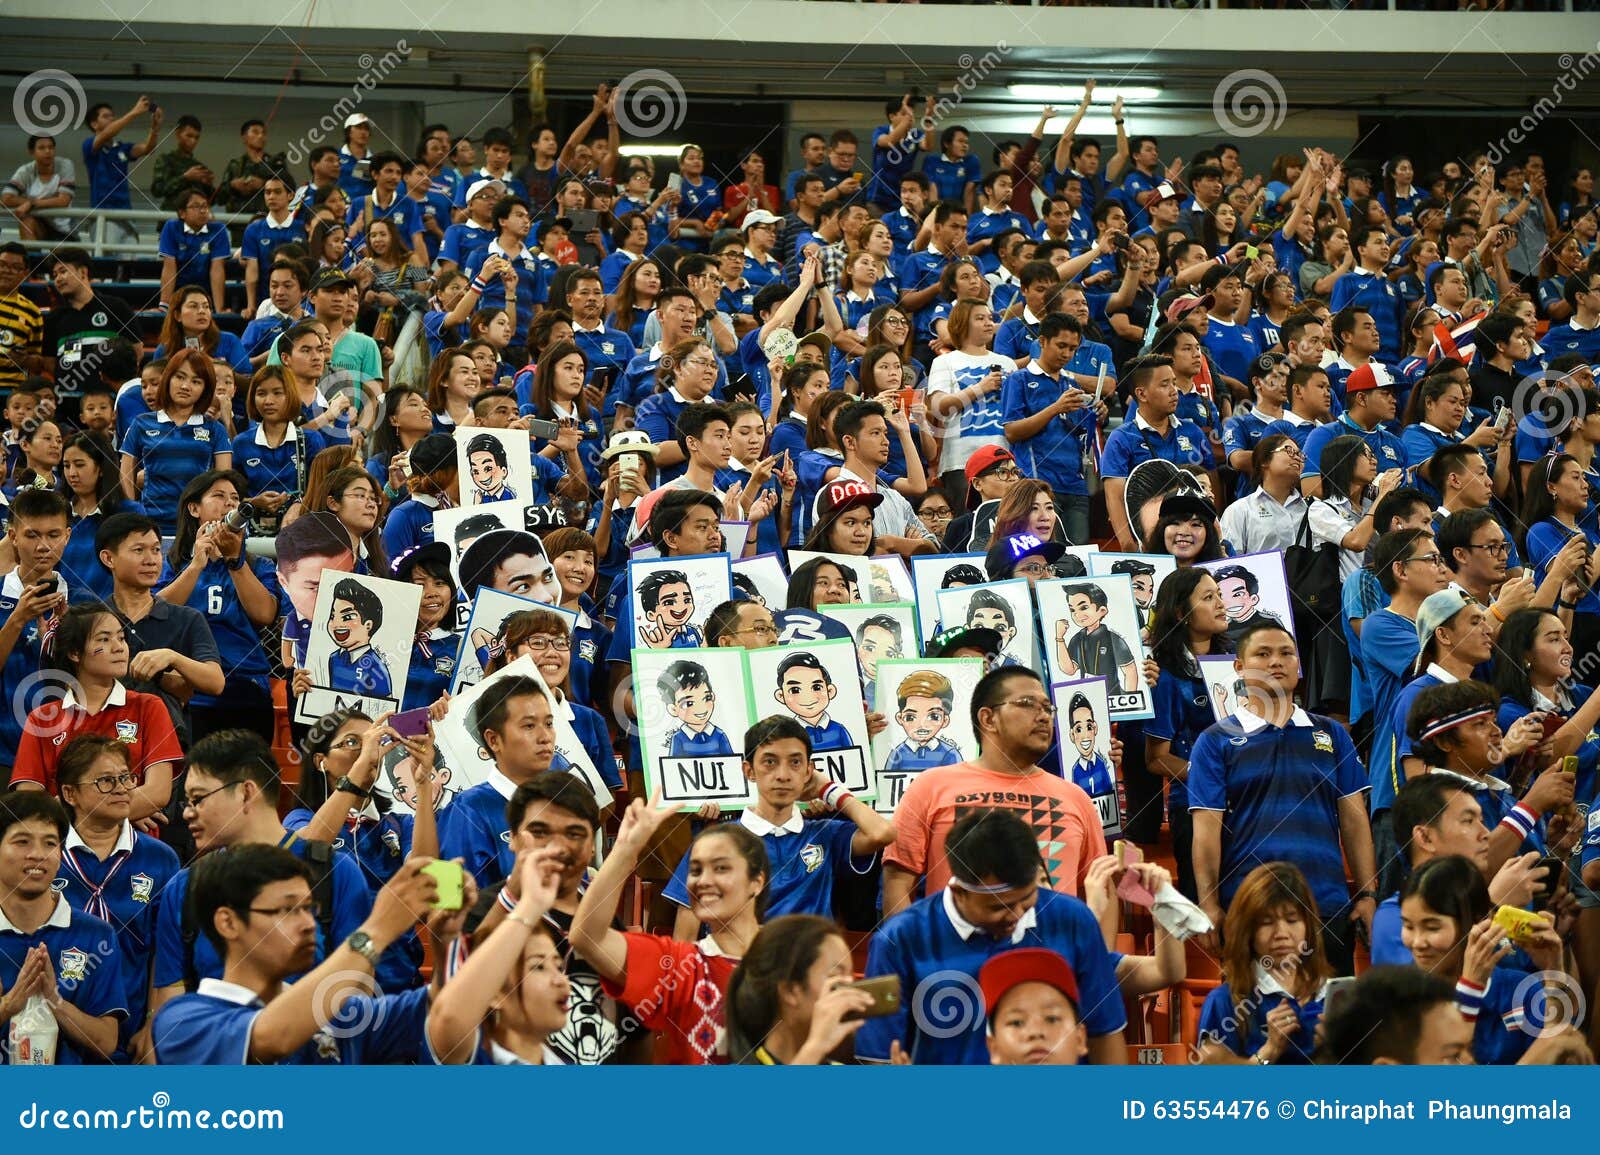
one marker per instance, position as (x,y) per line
(1184,305)
(1029,964)
(838,496)
(986,459)
(1369,376)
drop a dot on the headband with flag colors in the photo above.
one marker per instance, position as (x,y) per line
(1450,721)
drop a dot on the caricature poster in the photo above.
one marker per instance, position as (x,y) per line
(470,760)
(486,620)
(819,685)
(1146,570)
(1075,561)
(672,597)
(460,526)
(1091,630)
(397,780)
(1223,684)
(928,702)
(1254,588)
(359,653)
(877,580)
(879,632)
(496,465)
(761,579)
(734,536)
(1083,734)
(931,573)
(693,713)
(1004,607)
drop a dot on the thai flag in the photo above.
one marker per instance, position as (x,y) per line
(1457,342)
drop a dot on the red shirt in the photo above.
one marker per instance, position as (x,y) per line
(733,200)
(677,988)
(139,721)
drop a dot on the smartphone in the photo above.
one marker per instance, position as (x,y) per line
(584,221)
(449,876)
(675,182)
(885,992)
(1569,765)
(1519,926)
(1556,869)
(363,168)
(1251,252)
(410,723)
(1333,993)
(1502,415)
(539,427)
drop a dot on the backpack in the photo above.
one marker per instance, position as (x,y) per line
(319,857)
(1312,568)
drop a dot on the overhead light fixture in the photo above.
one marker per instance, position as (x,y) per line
(651,149)
(1064,94)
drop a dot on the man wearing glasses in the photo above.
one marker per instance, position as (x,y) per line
(230,798)
(1014,720)
(1409,568)
(1462,477)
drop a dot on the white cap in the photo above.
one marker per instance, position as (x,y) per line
(498,187)
(356,118)
(757,217)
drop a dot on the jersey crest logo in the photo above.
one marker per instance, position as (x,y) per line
(1183,443)
(1322,740)
(58,885)
(74,964)
(202,434)
(127,732)
(811,856)
(143,884)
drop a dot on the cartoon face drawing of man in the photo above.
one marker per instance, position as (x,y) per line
(926,703)
(1082,726)
(1238,599)
(400,769)
(923,716)
(805,688)
(486,462)
(686,693)
(354,617)
(667,601)
(881,637)
(1086,614)
(989,611)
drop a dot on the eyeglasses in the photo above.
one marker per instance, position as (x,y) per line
(1291,450)
(1032,569)
(760,630)
(192,801)
(108,783)
(1032,705)
(353,742)
(1434,558)
(542,642)
(314,909)
(1497,548)
(699,363)
(1005,471)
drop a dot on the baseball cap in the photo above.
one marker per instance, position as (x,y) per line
(946,642)
(1436,610)
(1369,376)
(838,496)
(478,563)
(1165,192)
(985,459)
(541,227)
(1003,556)
(819,341)
(330,279)
(356,118)
(1185,305)
(437,552)
(629,441)
(757,217)
(1030,964)
(434,452)
(498,187)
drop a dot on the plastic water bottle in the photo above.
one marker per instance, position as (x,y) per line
(33,1034)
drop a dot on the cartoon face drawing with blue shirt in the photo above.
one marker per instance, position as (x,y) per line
(686,691)
(1083,728)
(354,617)
(667,601)
(926,702)
(804,688)
(486,459)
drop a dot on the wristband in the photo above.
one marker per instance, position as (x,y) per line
(479,285)
(1469,998)
(1222,259)
(1498,616)
(507,903)
(1522,818)
(835,795)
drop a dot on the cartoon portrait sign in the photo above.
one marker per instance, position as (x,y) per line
(878,580)
(1224,686)
(693,711)
(1004,607)
(496,465)
(398,779)
(1083,730)
(672,597)
(486,621)
(1146,571)
(819,686)
(931,573)
(359,652)
(761,579)
(469,758)
(1091,629)
(879,632)
(928,702)
(1254,589)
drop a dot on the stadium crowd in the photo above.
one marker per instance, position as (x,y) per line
(1374,387)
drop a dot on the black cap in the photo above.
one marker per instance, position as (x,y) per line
(1003,556)
(434,452)
(435,551)
(1181,501)
(331,278)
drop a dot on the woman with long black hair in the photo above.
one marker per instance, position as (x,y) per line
(91,482)
(790,1002)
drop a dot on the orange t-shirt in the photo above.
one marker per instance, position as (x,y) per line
(1062,816)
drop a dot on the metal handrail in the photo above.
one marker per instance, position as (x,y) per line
(100,245)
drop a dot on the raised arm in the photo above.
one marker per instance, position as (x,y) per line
(592,934)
